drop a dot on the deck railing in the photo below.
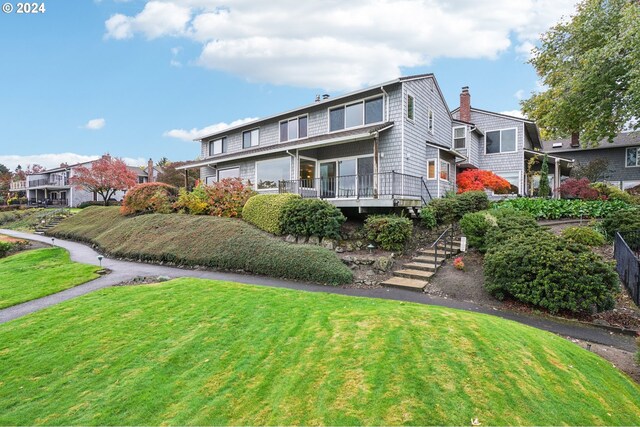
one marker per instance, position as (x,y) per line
(626,251)
(373,186)
(55,181)
(18,186)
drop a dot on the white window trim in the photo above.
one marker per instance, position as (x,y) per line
(226,169)
(520,183)
(410,95)
(625,157)
(255,173)
(431,120)
(252,145)
(453,139)
(211,154)
(435,169)
(362,101)
(440,170)
(287,121)
(500,152)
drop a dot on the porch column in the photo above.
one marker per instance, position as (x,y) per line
(186,179)
(375,167)
(556,180)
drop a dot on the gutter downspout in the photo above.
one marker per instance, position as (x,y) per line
(376,166)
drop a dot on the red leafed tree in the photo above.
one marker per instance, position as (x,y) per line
(479,180)
(105,176)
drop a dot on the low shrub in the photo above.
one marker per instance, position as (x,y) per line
(227,197)
(579,189)
(97,203)
(390,232)
(311,217)
(5,247)
(613,193)
(151,197)
(265,211)
(453,207)
(486,228)
(192,202)
(444,210)
(546,271)
(471,201)
(584,235)
(621,221)
(562,208)
(428,217)
(475,226)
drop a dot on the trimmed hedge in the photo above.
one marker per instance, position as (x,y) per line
(265,211)
(547,271)
(562,208)
(97,203)
(390,232)
(584,235)
(190,240)
(311,217)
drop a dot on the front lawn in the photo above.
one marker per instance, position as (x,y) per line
(34,274)
(196,352)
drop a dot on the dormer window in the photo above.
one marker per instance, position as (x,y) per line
(293,129)
(217,146)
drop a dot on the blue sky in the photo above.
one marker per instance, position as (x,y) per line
(139,78)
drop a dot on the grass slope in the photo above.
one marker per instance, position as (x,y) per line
(195,352)
(223,243)
(34,274)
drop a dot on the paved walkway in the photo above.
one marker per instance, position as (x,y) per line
(122,271)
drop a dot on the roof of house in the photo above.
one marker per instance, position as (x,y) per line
(328,101)
(311,142)
(624,139)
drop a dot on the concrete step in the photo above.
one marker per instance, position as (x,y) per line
(441,251)
(414,274)
(430,257)
(404,283)
(423,266)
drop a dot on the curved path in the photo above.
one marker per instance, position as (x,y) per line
(122,271)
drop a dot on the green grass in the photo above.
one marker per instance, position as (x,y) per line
(221,243)
(195,352)
(37,273)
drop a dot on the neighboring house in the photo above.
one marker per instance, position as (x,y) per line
(52,187)
(623,155)
(502,144)
(393,144)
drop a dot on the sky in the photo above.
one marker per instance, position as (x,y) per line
(141,79)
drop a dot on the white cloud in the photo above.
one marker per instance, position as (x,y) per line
(95,124)
(51,161)
(519,95)
(190,135)
(514,113)
(340,45)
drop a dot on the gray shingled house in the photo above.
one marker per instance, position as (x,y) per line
(396,144)
(623,156)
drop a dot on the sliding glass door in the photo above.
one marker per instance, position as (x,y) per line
(348,178)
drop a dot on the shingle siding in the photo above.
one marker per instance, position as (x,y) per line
(618,171)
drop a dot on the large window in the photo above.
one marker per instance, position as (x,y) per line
(514,180)
(633,159)
(217,146)
(460,137)
(269,172)
(228,173)
(410,107)
(250,138)
(431,169)
(356,114)
(293,129)
(445,170)
(500,141)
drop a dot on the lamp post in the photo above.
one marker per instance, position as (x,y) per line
(100,260)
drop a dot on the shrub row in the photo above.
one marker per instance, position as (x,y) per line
(265,211)
(97,203)
(453,207)
(311,217)
(222,243)
(390,232)
(563,208)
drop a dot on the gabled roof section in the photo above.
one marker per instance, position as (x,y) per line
(314,141)
(623,139)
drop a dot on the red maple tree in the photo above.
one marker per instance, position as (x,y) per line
(479,180)
(105,176)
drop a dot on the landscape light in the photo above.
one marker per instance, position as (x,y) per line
(53,241)
(100,259)
(371,247)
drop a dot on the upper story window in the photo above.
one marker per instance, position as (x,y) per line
(217,146)
(633,159)
(500,141)
(431,122)
(250,138)
(411,107)
(293,129)
(459,137)
(356,114)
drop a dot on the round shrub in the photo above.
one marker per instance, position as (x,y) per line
(471,201)
(452,208)
(192,202)
(390,232)
(428,217)
(613,193)
(265,211)
(621,221)
(584,235)
(547,271)
(151,197)
(311,217)
(475,226)
(227,197)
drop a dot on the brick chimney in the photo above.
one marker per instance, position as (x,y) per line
(575,140)
(465,105)
(150,171)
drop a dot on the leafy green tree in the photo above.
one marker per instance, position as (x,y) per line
(544,190)
(591,68)
(595,170)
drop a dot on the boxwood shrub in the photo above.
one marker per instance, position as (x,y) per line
(584,235)
(311,217)
(390,232)
(550,272)
(265,211)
